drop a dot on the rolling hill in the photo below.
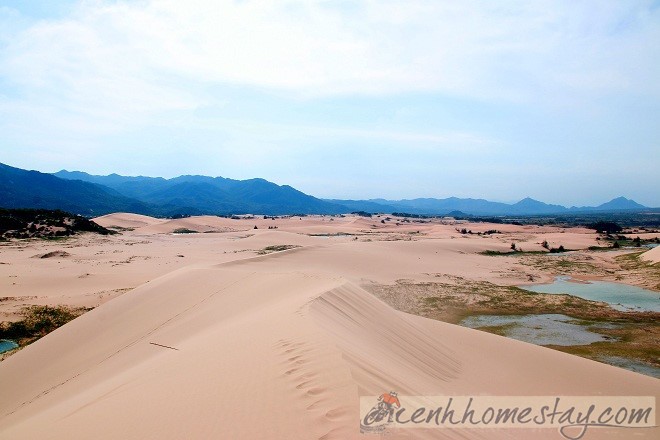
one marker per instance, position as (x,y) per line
(211,195)
(31,189)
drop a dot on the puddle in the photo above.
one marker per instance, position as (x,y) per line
(549,329)
(6,345)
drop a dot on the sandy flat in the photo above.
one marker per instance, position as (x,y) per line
(201,336)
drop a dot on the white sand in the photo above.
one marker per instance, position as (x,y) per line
(652,255)
(278,346)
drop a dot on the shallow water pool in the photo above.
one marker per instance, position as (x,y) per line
(620,296)
(548,329)
(6,345)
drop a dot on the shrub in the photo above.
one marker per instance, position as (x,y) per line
(38,321)
(605,227)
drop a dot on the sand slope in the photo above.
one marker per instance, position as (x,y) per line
(652,255)
(126,220)
(268,354)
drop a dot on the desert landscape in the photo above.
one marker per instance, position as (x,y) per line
(329,220)
(272,327)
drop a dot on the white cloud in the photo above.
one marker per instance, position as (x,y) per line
(141,54)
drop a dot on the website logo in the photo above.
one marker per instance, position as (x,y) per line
(572,416)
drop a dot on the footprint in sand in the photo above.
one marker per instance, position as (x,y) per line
(337,413)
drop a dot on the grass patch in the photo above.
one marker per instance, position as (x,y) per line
(37,322)
(636,341)
(184,231)
(120,228)
(276,248)
(600,248)
(633,261)
(574,264)
(635,266)
(518,253)
(451,302)
(497,253)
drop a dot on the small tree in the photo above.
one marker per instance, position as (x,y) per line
(513,247)
(545,244)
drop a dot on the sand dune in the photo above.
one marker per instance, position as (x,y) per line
(126,220)
(241,352)
(652,255)
(217,341)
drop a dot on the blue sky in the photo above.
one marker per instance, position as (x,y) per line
(557,100)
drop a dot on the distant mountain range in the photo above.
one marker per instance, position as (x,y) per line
(91,195)
(456,206)
(196,195)
(32,189)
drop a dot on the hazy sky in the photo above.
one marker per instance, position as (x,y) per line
(557,100)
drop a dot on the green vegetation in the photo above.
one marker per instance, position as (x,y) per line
(37,322)
(408,215)
(495,253)
(599,248)
(642,219)
(605,227)
(635,266)
(44,223)
(623,241)
(184,231)
(516,252)
(276,248)
(120,228)
(362,214)
(572,264)
(630,340)
(452,302)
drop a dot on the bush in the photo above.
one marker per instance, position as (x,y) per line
(362,214)
(605,227)
(38,321)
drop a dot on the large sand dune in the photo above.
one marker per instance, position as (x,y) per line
(126,220)
(235,352)
(219,342)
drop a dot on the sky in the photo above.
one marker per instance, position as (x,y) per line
(558,100)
